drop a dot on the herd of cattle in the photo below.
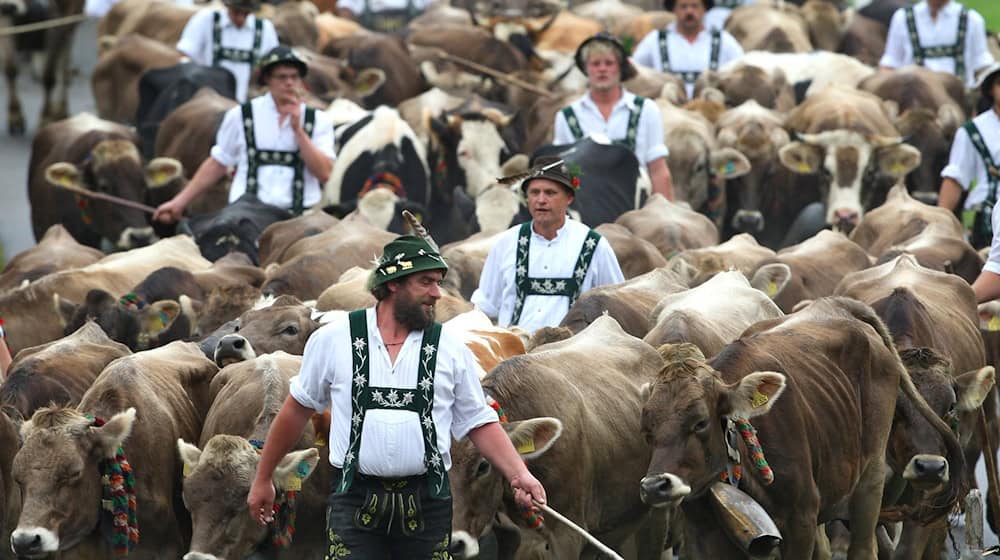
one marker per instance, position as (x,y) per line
(859,354)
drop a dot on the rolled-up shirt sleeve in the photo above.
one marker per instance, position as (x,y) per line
(194,36)
(311,387)
(963,161)
(470,409)
(229,141)
(651,126)
(993,262)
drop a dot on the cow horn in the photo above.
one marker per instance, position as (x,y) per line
(807,138)
(879,141)
(420,230)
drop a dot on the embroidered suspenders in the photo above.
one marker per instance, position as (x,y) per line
(420,399)
(257,157)
(982,224)
(569,287)
(955,51)
(630,132)
(388,21)
(690,76)
(220,53)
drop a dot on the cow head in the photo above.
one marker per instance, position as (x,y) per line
(114,167)
(284,325)
(57,470)
(134,324)
(847,157)
(684,420)
(931,133)
(469,149)
(221,526)
(478,488)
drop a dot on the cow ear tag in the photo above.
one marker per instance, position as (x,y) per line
(528,446)
(187,470)
(293,483)
(759,399)
(994,324)
(771,291)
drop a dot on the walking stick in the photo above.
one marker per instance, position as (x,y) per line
(579,530)
(106,197)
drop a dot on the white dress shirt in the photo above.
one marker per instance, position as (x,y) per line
(392,443)
(942,31)
(685,56)
(274,181)
(546,259)
(196,42)
(649,144)
(357,7)
(993,261)
(965,164)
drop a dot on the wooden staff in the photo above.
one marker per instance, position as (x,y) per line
(38,26)
(990,455)
(579,530)
(106,198)
(493,73)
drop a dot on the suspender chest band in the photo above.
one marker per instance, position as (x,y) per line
(220,53)
(954,51)
(630,133)
(690,76)
(257,157)
(420,399)
(569,287)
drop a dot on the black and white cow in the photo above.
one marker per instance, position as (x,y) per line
(234,228)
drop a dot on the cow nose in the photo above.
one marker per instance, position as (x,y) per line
(846,216)
(750,221)
(661,489)
(25,543)
(463,545)
(233,348)
(929,467)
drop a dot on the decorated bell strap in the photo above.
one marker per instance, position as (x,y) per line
(740,428)
(420,399)
(257,157)
(528,286)
(220,53)
(119,520)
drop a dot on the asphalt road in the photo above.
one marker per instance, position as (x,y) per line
(15,225)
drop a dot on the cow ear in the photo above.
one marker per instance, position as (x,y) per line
(532,438)
(771,278)
(729,163)
(989,316)
(801,157)
(368,81)
(294,468)
(189,454)
(685,271)
(898,160)
(497,117)
(157,316)
(754,394)
(63,174)
(111,435)
(162,171)
(65,309)
(517,163)
(972,387)
(950,117)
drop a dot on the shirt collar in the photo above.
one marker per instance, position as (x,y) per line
(627,100)
(924,9)
(269,103)
(672,27)
(559,232)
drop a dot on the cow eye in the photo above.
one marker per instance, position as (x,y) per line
(290,330)
(483,468)
(701,426)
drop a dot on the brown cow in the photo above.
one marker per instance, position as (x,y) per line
(630,303)
(247,398)
(710,322)
(59,372)
(55,251)
(274,324)
(670,227)
(743,83)
(161,20)
(148,400)
(93,154)
(810,270)
(936,247)
(847,135)
(583,443)
(31,313)
(225,304)
(741,252)
(465,260)
(635,255)
(384,52)
(923,308)
(837,363)
(10,494)
(279,236)
(136,324)
(767,28)
(115,80)
(900,218)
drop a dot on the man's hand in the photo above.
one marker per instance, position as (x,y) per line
(527,490)
(260,501)
(169,212)
(291,111)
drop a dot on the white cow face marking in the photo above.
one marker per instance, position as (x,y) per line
(479,154)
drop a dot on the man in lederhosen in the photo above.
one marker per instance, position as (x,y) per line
(399,387)
(282,150)
(384,16)
(536,270)
(686,47)
(974,166)
(941,35)
(610,109)
(231,37)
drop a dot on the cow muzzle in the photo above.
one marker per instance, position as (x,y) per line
(33,542)
(135,237)
(463,545)
(845,219)
(663,490)
(233,348)
(749,221)
(926,471)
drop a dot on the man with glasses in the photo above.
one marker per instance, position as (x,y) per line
(282,150)
(231,37)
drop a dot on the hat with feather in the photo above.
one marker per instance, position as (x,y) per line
(407,254)
(547,167)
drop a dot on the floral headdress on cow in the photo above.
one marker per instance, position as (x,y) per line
(407,254)
(551,168)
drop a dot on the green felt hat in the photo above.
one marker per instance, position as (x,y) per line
(403,256)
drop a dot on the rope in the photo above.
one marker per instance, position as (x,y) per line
(41,25)
(118,500)
(532,519)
